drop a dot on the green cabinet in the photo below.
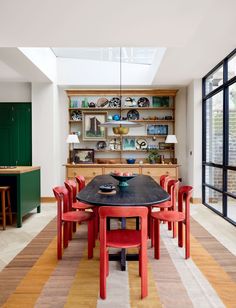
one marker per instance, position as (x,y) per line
(15,134)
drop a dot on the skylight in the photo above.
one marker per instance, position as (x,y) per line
(136,55)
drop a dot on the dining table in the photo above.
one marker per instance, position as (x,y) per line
(142,190)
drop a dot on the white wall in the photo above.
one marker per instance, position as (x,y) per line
(194,136)
(15,92)
(180,131)
(45,135)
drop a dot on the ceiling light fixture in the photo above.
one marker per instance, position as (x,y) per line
(120,127)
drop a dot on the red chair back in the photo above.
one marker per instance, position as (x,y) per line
(172,188)
(71,186)
(123,211)
(80,181)
(164,180)
(184,195)
(61,195)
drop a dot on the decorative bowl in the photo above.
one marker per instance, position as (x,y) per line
(120,130)
(123,179)
(130,160)
(107,187)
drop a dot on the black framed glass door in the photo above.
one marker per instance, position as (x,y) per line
(219,139)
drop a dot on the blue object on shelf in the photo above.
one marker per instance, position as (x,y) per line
(130,160)
(116,117)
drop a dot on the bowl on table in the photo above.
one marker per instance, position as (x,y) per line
(123,179)
(107,187)
(130,160)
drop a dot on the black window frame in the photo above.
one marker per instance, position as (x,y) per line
(225,90)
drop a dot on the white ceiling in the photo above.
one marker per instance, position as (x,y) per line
(197,34)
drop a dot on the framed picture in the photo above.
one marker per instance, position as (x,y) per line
(157,129)
(83,156)
(92,131)
(129,144)
(165,146)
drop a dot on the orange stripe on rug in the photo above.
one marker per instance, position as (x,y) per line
(219,279)
(85,288)
(31,285)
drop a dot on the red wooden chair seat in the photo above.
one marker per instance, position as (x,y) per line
(77,216)
(123,238)
(169,216)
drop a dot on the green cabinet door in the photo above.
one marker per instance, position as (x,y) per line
(15,134)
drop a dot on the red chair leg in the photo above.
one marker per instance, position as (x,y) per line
(144,280)
(103,272)
(90,238)
(169,223)
(187,240)
(74,227)
(157,239)
(180,234)
(152,233)
(59,240)
(107,264)
(65,234)
(96,222)
(140,263)
(149,221)
(174,230)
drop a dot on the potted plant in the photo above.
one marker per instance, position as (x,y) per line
(153,156)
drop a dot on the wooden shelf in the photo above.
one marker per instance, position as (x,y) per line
(121,109)
(152,121)
(127,151)
(136,136)
(75,121)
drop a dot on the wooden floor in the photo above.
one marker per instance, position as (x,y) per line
(34,278)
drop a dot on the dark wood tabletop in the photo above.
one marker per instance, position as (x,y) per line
(142,191)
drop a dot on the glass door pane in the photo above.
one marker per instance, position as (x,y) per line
(214,80)
(231,208)
(214,199)
(214,177)
(214,129)
(232,125)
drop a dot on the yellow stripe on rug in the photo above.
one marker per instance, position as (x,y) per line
(153,299)
(31,285)
(218,278)
(85,288)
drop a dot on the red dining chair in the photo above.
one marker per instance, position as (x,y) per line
(123,238)
(172,188)
(163,183)
(77,205)
(81,184)
(80,181)
(164,180)
(182,216)
(65,217)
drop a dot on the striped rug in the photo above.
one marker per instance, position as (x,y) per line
(34,278)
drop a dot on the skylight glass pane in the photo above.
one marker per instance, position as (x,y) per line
(137,55)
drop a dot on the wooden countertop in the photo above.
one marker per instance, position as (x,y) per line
(123,165)
(17,170)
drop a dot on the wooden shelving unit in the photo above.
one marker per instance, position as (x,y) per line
(144,112)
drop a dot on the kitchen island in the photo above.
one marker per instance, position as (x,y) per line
(25,189)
